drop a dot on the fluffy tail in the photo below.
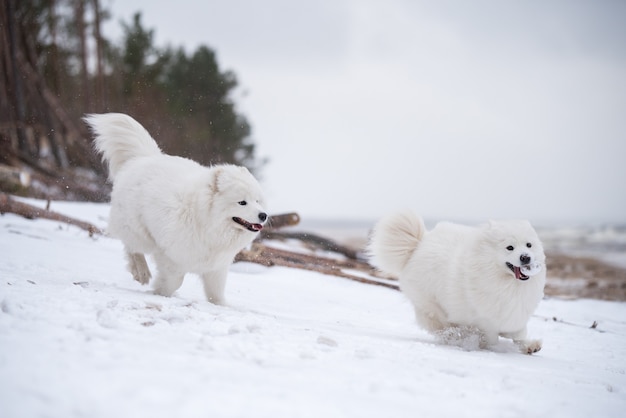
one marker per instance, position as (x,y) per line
(120,138)
(393,241)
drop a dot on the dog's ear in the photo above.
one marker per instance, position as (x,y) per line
(215,185)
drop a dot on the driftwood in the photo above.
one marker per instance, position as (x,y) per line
(342,266)
(9,205)
(264,254)
(280,221)
(313,241)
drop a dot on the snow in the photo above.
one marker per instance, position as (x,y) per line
(80,338)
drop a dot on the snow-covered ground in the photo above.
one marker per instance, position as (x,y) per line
(80,338)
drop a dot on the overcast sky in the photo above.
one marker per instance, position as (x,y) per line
(461,110)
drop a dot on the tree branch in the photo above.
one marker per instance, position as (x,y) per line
(9,205)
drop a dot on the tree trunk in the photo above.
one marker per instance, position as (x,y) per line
(100,99)
(18,107)
(82,38)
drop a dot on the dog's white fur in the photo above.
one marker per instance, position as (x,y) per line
(175,209)
(457,276)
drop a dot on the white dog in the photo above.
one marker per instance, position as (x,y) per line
(488,279)
(191,218)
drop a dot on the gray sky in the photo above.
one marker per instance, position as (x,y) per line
(459,110)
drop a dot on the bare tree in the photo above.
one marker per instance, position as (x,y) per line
(81,26)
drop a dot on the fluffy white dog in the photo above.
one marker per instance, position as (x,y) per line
(487,280)
(190,218)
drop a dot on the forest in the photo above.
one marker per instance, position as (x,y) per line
(56,66)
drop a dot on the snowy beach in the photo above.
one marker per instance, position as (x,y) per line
(80,338)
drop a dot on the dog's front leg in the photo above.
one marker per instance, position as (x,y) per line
(169,275)
(215,284)
(488,338)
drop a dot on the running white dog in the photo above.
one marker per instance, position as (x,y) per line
(487,279)
(191,218)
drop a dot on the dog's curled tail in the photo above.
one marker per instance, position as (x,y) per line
(120,138)
(393,241)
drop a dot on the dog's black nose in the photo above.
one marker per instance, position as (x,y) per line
(524,258)
(262,216)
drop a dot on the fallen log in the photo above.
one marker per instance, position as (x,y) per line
(268,256)
(314,241)
(282,220)
(9,205)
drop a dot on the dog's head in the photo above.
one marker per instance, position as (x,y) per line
(238,198)
(518,248)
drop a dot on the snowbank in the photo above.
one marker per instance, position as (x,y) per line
(80,338)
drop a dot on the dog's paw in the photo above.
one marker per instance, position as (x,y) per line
(139,268)
(529,346)
(217,300)
(142,276)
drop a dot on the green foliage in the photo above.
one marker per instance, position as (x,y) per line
(137,46)
(142,62)
(196,94)
(198,91)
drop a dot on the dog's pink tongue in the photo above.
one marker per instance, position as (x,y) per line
(518,272)
(257,227)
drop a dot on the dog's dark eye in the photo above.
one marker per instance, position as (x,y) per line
(528,244)
(243,203)
(510,248)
